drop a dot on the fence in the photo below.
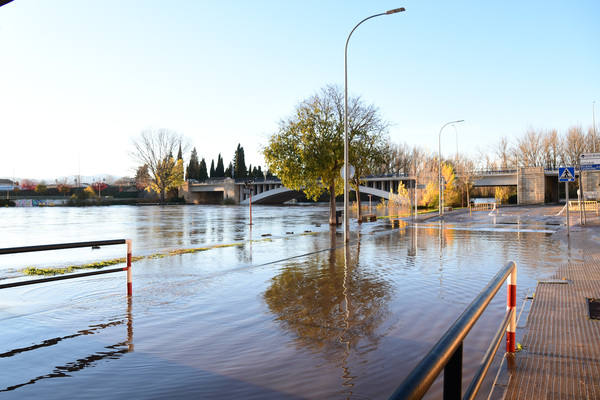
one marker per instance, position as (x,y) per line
(447,352)
(61,246)
(588,205)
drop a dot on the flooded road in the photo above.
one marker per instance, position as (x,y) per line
(286,312)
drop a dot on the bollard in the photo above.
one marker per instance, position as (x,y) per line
(511,305)
(128,268)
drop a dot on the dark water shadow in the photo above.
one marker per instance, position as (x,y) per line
(113,352)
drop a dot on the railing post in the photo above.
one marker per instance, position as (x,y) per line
(129,279)
(511,305)
(453,375)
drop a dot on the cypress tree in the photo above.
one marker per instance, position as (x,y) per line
(239,163)
(220,168)
(180,154)
(193,168)
(203,175)
(212,169)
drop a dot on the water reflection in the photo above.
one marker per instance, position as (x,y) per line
(112,352)
(332,305)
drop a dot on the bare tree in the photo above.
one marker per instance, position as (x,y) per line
(551,149)
(503,152)
(529,149)
(155,149)
(592,140)
(573,145)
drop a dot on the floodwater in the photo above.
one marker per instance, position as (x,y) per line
(284,313)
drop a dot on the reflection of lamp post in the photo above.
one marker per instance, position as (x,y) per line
(248,187)
(441,193)
(346,167)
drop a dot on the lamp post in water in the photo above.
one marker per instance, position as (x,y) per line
(346,166)
(441,195)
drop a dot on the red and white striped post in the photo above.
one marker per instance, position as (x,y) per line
(128,268)
(511,305)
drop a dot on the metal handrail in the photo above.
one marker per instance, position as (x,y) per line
(447,352)
(61,246)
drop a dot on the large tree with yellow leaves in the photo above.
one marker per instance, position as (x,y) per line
(154,149)
(307,153)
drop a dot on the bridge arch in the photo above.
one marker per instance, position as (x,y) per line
(283,194)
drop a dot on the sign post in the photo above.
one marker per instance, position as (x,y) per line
(567,203)
(587,162)
(567,175)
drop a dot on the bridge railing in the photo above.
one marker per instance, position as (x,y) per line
(493,171)
(61,246)
(257,180)
(447,353)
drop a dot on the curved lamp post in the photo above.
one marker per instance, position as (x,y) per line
(441,193)
(346,167)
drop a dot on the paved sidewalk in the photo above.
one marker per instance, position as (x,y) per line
(561,347)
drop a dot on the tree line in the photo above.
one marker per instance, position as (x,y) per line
(159,171)
(237,169)
(307,152)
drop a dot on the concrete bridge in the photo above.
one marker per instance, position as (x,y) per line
(534,186)
(272,191)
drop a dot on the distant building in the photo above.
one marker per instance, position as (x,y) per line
(6,185)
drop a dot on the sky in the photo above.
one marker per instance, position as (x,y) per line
(81,79)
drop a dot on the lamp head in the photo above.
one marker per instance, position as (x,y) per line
(395,10)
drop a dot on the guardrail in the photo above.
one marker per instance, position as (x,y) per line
(483,207)
(447,352)
(61,246)
(587,205)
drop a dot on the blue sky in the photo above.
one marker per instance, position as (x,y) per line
(79,79)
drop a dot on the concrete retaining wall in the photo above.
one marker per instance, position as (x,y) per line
(531,186)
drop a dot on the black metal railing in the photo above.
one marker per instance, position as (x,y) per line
(448,351)
(61,246)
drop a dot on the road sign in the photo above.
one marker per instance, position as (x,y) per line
(590,161)
(351,170)
(566,174)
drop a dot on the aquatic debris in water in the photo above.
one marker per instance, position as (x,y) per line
(114,261)
(123,260)
(519,347)
(71,268)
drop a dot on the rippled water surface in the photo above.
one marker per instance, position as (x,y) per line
(283,313)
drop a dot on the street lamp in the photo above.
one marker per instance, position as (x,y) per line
(346,167)
(594,123)
(441,196)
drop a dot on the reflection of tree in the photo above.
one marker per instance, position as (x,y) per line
(328,310)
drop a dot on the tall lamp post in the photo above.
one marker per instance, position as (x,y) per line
(440,197)
(594,123)
(346,166)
